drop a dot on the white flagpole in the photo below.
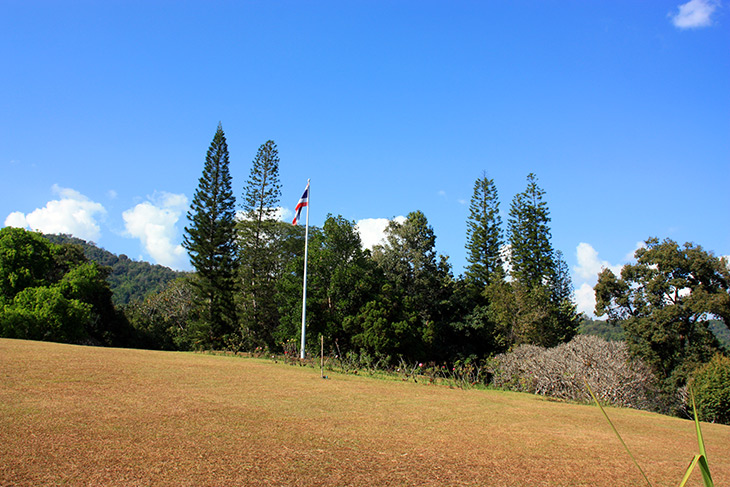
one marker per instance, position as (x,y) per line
(304,287)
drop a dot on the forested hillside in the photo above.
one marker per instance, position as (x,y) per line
(129,280)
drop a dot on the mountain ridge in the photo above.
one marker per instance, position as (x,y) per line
(128,279)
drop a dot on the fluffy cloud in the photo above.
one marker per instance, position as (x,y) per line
(589,265)
(585,299)
(372,230)
(694,14)
(585,274)
(73,214)
(16,219)
(154,223)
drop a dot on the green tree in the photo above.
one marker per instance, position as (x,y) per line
(420,278)
(259,249)
(665,302)
(528,233)
(523,315)
(472,330)
(341,275)
(711,385)
(484,235)
(540,310)
(166,320)
(211,243)
(52,292)
(44,313)
(86,282)
(289,286)
(263,189)
(566,317)
(341,279)
(26,260)
(387,326)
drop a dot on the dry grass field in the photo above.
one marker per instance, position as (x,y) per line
(72,415)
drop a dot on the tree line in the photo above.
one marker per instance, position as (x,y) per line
(400,300)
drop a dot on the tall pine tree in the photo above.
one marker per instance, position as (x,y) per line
(259,243)
(528,233)
(540,309)
(211,243)
(484,234)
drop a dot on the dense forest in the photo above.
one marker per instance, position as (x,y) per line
(397,303)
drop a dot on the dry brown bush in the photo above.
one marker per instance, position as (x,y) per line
(614,376)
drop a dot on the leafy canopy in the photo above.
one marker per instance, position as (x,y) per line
(665,303)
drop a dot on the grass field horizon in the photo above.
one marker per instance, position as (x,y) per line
(74,415)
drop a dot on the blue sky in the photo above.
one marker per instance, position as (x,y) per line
(621,108)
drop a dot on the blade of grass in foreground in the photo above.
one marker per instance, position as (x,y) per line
(617,434)
(700,459)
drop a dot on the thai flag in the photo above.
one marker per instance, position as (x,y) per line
(303,201)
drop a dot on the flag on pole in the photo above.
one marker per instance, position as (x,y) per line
(303,201)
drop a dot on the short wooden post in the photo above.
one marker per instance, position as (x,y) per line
(321,356)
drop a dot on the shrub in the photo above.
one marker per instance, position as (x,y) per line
(614,376)
(711,385)
(43,313)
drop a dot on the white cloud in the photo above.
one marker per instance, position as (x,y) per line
(589,265)
(73,214)
(154,223)
(177,202)
(586,275)
(16,219)
(372,230)
(585,299)
(694,14)
(285,214)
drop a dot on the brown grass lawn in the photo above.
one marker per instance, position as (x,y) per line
(72,415)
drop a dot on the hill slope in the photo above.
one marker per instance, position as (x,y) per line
(129,280)
(76,415)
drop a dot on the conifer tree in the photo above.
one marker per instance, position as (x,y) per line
(531,253)
(259,244)
(262,191)
(540,307)
(210,242)
(484,234)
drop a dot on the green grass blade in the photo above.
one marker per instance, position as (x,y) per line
(617,434)
(689,470)
(704,469)
(702,460)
